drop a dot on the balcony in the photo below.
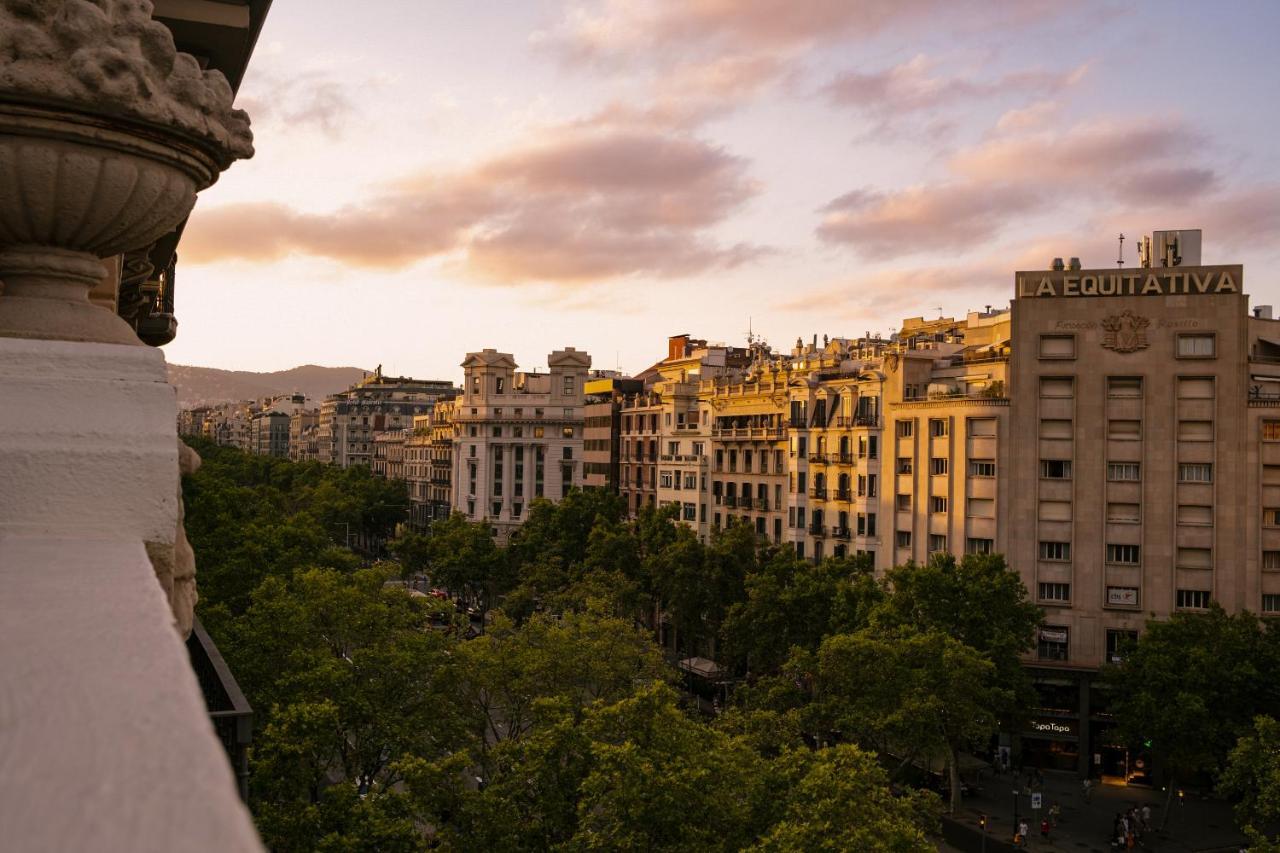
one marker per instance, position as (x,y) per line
(866,420)
(844,495)
(228,709)
(818,458)
(818,494)
(762,504)
(745,502)
(817,531)
(730,500)
(846,459)
(841,533)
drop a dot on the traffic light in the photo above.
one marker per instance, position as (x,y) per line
(1182,797)
(982,822)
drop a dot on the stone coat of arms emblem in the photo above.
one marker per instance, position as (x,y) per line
(1125,332)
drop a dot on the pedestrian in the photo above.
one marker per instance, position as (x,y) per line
(1055,813)
(1023,829)
(1044,828)
(1146,817)
(1086,788)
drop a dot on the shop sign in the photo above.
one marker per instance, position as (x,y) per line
(1126,596)
(1053,635)
(1046,727)
(1162,281)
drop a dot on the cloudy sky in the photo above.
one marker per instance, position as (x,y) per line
(448,175)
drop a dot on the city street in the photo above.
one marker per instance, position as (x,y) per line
(1197,824)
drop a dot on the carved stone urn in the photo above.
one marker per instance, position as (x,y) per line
(106,135)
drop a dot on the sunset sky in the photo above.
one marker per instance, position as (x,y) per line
(439,177)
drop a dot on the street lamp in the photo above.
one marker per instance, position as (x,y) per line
(1016,821)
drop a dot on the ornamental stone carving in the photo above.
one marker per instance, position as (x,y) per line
(106,135)
(1125,332)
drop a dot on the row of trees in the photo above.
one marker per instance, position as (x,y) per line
(379,729)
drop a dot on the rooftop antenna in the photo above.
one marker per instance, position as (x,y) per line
(750,336)
(1120,260)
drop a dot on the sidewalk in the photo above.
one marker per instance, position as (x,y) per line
(1196,825)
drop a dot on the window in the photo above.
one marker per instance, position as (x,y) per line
(1195,515)
(903,538)
(1123,554)
(1055,469)
(1195,388)
(982,468)
(1124,386)
(982,427)
(1195,430)
(1053,643)
(1195,472)
(1192,599)
(1119,642)
(1055,510)
(1271,430)
(1057,346)
(1124,430)
(499,384)
(1058,428)
(497,509)
(1124,472)
(937,427)
(904,464)
(1122,596)
(903,503)
(937,543)
(1119,513)
(690,512)
(979,546)
(938,465)
(1271,517)
(1270,603)
(1056,386)
(982,508)
(475,388)
(1271,559)
(1195,346)
(538,432)
(1055,592)
(937,504)
(906,429)
(1055,550)
(568,386)
(1195,558)
(497,432)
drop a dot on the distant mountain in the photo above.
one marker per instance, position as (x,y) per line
(203,385)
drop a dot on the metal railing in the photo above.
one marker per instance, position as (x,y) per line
(228,709)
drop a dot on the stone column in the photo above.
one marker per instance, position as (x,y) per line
(106,135)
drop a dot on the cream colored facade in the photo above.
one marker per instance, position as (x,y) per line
(519,435)
(417,470)
(349,420)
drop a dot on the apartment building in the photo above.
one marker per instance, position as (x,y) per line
(417,472)
(601,424)
(349,420)
(269,434)
(519,435)
(443,432)
(303,443)
(1146,482)
(388,454)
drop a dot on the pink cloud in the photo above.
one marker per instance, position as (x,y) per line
(916,85)
(575,205)
(922,219)
(1141,161)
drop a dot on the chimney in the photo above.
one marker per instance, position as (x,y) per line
(1262,312)
(1074,264)
(677,345)
(1056,265)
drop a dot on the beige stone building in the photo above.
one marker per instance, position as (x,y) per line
(303,443)
(349,420)
(519,435)
(417,471)
(443,433)
(1145,472)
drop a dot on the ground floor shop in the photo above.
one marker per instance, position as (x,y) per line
(1072,729)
